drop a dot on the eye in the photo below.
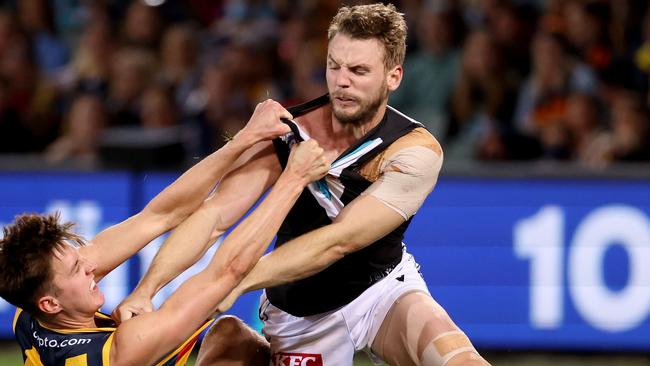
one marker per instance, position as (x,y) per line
(359,70)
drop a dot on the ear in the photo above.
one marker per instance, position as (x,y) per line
(49,305)
(394,77)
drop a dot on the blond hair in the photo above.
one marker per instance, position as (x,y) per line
(375,21)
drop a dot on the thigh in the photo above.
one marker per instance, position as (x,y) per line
(230,342)
(321,340)
(418,331)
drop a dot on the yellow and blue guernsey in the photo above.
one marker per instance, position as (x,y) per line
(43,346)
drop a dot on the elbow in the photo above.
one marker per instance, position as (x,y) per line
(348,243)
(337,252)
(164,220)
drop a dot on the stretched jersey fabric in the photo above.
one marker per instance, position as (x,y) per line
(346,279)
(42,346)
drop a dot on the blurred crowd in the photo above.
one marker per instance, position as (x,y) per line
(164,82)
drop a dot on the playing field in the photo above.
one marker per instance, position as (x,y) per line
(10,356)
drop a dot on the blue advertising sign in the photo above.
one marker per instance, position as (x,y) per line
(518,263)
(554,264)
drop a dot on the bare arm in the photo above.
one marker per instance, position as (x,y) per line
(361,223)
(148,337)
(114,245)
(236,193)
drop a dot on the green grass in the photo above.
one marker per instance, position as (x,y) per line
(10,356)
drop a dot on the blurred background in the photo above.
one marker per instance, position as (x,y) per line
(537,237)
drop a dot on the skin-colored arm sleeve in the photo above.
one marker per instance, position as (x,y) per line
(408,177)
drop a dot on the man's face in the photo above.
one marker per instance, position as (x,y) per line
(356,78)
(74,281)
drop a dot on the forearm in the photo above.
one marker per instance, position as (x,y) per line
(296,259)
(177,254)
(238,191)
(360,224)
(144,339)
(248,241)
(186,194)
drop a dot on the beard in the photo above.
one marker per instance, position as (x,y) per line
(366,110)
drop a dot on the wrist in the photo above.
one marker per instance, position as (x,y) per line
(144,290)
(244,139)
(292,179)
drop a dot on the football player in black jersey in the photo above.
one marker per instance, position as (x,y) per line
(339,280)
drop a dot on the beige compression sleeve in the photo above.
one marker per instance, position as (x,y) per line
(407,177)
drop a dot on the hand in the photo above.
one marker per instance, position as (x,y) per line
(265,122)
(228,302)
(133,305)
(307,161)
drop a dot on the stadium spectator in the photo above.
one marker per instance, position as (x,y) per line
(542,98)
(132,71)
(90,68)
(82,128)
(627,141)
(52,52)
(142,26)
(513,27)
(431,71)
(482,102)
(583,125)
(36,17)
(179,57)
(30,95)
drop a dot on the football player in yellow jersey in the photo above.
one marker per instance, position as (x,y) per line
(51,274)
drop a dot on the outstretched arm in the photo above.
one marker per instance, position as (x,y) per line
(144,339)
(236,193)
(114,245)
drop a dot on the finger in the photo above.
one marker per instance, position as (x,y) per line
(284,128)
(311,144)
(281,111)
(125,315)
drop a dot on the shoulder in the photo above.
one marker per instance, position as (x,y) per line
(417,137)
(415,151)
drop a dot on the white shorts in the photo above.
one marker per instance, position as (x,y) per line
(332,338)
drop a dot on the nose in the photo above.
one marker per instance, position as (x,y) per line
(343,78)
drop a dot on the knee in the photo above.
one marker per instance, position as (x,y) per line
(230,339)
(227,327)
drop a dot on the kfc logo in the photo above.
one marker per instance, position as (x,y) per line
(297,359)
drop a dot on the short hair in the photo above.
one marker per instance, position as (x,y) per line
(26,253)
(374,21)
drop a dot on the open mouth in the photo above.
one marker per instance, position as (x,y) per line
(93,286)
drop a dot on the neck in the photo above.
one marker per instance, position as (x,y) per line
(68,321)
